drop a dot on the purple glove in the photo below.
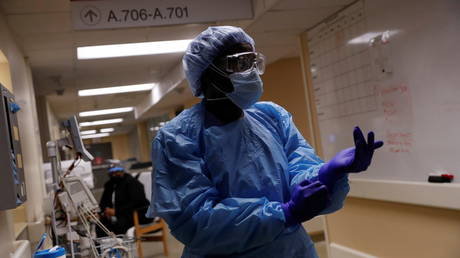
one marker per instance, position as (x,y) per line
(351,160)
(307,201)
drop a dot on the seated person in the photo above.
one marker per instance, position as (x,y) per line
(122,195)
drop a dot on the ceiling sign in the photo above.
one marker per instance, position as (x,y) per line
(107,14)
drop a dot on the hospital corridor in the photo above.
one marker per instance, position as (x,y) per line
(229,129)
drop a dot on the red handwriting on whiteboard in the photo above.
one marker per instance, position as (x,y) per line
(389,109)
(393,89)
(399,142)
(395,99)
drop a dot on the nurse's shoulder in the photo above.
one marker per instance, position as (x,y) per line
(188,123)
(270,109)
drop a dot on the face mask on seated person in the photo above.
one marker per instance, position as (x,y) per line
(116,178)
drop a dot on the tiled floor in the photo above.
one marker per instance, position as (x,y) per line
(155,249)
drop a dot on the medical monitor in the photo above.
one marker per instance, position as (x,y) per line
(71,126)
(79,193)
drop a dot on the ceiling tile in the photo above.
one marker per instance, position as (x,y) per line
(115,36)
(277,38)
(34,6)
(291,20)
(48,41)
(309,4)
(37,57)
(189,31)
(37,24)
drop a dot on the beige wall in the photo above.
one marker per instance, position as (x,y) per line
(5,75)
(144,142)
(283,84)
(53,123)
(21,81)
(120,146)
(191,102)
(48,124)
(43,125)
(387,229)
(134,144)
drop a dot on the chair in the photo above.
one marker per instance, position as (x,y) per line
(155,231)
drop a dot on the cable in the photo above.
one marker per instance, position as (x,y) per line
(85,223)
(72,166)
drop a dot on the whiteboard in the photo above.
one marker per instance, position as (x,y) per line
(391,67)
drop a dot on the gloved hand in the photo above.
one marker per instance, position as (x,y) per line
(351,160)
(307,201)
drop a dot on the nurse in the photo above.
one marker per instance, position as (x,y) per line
(233,177)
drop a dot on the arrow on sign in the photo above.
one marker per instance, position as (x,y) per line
(90,14)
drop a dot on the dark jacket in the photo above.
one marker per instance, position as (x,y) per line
(129,196)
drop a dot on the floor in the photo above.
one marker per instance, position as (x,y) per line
(155,249)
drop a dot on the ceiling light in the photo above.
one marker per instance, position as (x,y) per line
(106,111)
(98,135)
(132,49)
(88,132)
(102,122)
(107,130)
(115,90)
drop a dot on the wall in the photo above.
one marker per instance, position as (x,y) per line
(283,84)
(21,81)
(192,101)
(43,125)
(144,142)
(134,143)
(126,146)
(387,229)
(53,123)
(48,124)
(120,146)
(5,74)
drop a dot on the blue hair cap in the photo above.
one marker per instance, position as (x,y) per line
(208,45)
(116,169)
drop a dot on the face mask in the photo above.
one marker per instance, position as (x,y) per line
(116,179)
(247,88)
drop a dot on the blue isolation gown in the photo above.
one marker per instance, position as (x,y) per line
(220,188)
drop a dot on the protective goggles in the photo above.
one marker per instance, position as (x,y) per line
(241,62)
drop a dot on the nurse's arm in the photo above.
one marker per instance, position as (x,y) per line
(197,214)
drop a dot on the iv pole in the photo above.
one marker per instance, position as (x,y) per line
(55,168)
